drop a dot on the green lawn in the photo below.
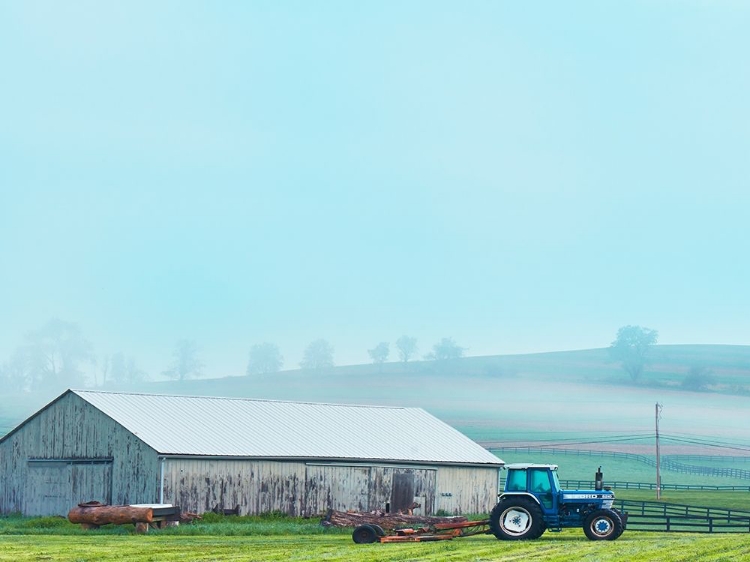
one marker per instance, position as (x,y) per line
(564,547)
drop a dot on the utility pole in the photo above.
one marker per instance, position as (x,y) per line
(658,456)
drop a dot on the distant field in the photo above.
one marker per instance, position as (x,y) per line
(572,467)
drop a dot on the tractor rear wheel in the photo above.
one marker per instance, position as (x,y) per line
(603,525)
(515,519)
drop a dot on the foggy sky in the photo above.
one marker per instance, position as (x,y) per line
(520,176)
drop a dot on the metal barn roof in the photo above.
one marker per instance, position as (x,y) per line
(237,427)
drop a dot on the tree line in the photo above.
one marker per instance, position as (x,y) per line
(266,358)
(57,354)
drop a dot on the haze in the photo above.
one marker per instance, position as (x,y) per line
(520,176)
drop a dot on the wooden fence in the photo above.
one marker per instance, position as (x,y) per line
(590,484)
(670,517)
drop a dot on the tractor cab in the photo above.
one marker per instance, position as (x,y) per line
(538,480)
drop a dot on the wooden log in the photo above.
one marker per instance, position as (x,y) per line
(387,521)
(114,514)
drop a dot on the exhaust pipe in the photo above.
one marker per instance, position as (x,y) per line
(599,482)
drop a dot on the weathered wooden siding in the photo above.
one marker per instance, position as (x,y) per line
(302,489)
(337,487)
(466,490)
(199,485)
(71,430)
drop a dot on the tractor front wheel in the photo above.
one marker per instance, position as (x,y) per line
(515,519)
(603,525)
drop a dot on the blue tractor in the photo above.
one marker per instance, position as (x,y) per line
(533,502)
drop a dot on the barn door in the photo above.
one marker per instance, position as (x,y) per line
(402,491)
(47,490)
(54,487)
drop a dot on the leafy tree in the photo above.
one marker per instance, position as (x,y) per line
(264,358)
(185,362)
(318,355)
(55,353)
(445,349)
(698,379)
(407,347)
(631,348)
(379,354)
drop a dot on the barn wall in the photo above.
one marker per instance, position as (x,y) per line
(199,485)
(309,489)
(87,456)
(467,490)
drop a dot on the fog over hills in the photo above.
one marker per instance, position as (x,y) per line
(186,186)
(557,398)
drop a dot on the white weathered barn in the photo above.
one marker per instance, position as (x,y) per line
(261,455)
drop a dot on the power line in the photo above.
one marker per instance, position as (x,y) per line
(706,443)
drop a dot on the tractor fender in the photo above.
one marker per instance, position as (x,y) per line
(504,495)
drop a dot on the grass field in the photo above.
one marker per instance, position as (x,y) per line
(305,540)
(562,547)
(536,399)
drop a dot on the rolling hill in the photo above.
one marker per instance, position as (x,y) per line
(544,397)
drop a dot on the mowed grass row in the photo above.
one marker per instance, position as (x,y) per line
(281,538)
(564,547)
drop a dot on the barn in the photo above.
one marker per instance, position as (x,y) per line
(203,453)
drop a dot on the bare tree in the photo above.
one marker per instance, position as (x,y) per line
(55,353)
(124,369)
(318,355)
(264,358)
(133,373)
(407,347)
(105,366)
(631,348)
(185,362)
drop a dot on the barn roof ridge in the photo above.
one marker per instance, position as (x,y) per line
(244,398)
